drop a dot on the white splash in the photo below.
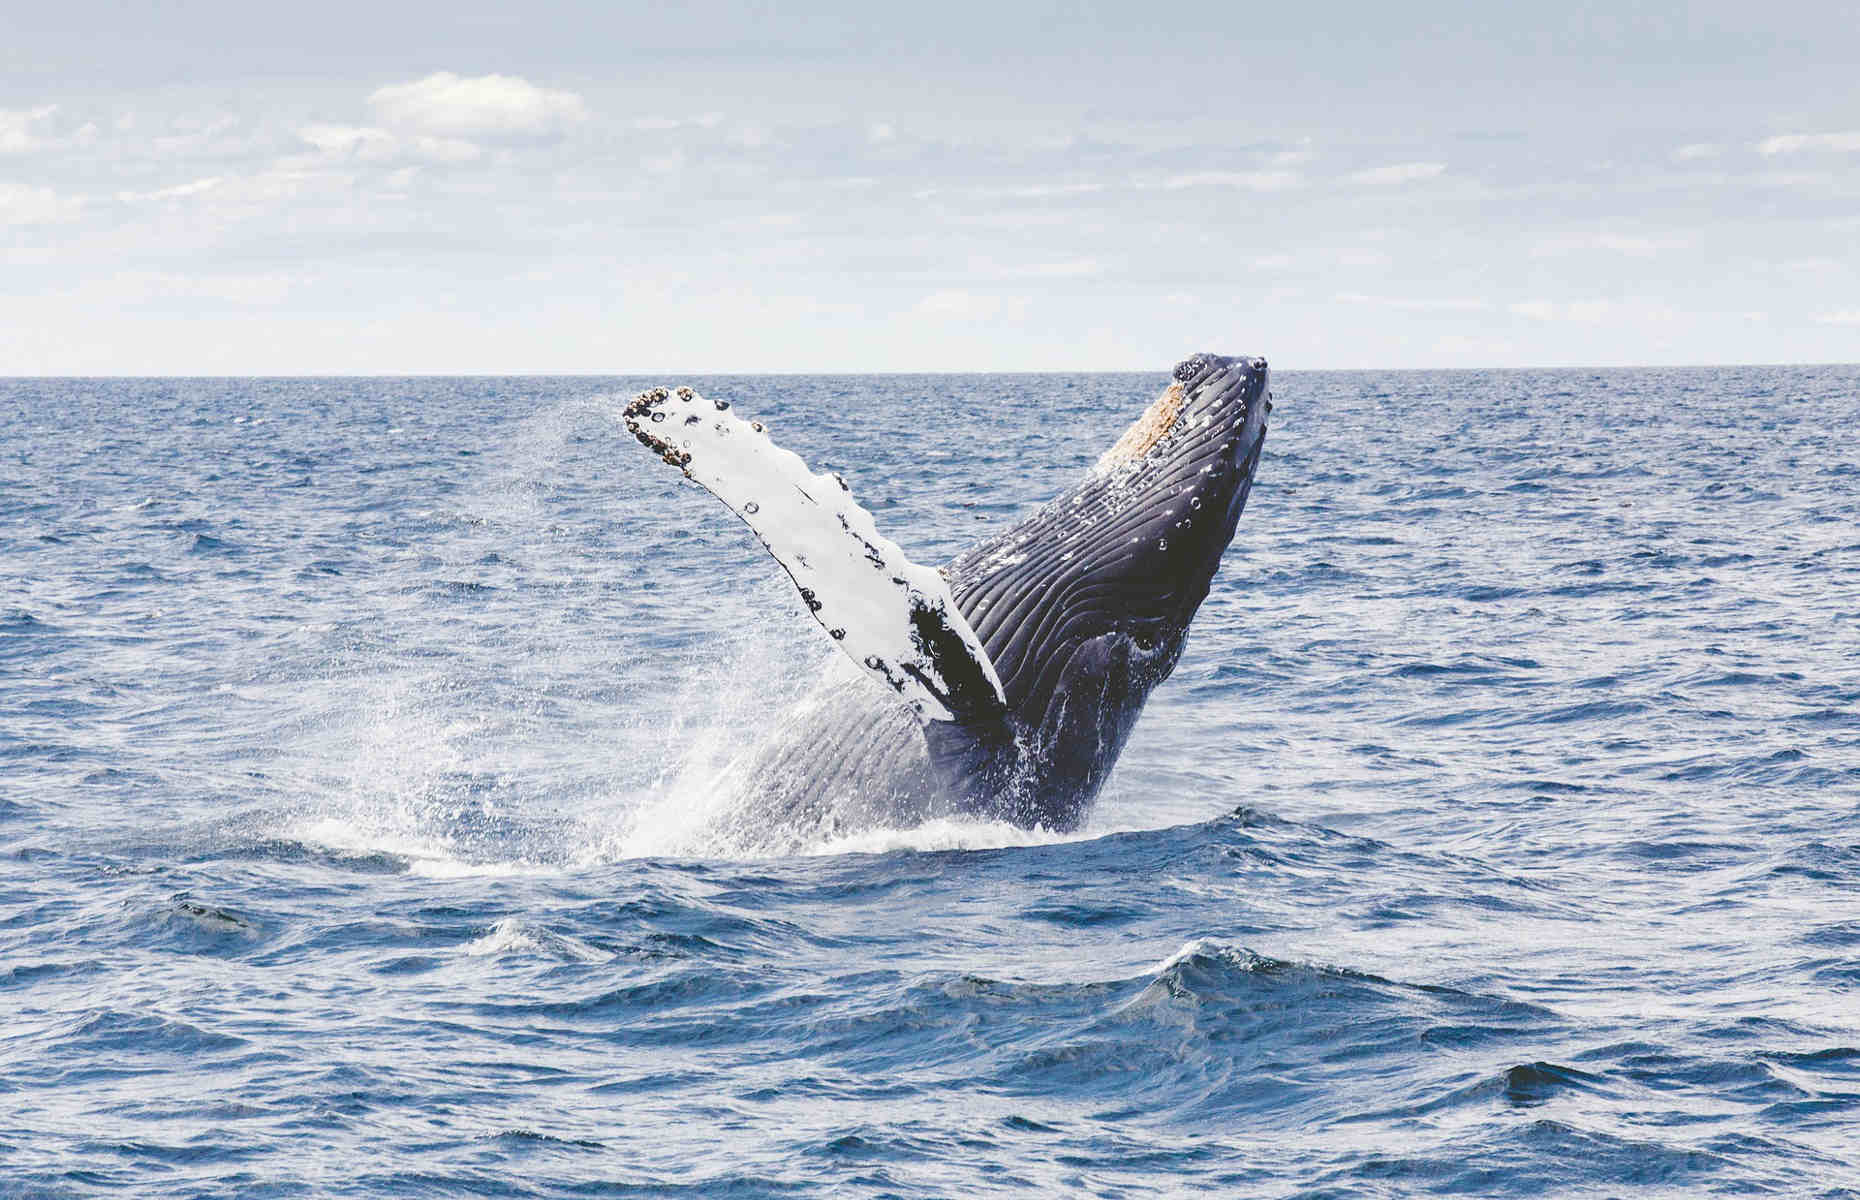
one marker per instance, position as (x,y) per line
(954,833)
(519,755)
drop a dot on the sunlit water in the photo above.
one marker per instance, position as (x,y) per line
(1498,834)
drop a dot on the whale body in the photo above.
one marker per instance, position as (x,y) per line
(1004,684)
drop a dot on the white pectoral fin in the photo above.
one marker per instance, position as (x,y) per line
(896,619)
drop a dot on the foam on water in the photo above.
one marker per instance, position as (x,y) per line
(515,936)
(939,835)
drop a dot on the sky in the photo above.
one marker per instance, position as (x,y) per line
(472,188)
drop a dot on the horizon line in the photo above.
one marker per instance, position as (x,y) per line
(840,373)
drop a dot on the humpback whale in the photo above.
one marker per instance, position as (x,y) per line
(1004,684)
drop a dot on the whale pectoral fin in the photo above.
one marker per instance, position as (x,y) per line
(896,619)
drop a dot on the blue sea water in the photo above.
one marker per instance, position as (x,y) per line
(1498,834)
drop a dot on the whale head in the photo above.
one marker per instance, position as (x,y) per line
(1084,606)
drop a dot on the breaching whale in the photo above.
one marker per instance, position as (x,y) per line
(1004,684)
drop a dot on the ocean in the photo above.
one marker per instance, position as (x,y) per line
(1497,835)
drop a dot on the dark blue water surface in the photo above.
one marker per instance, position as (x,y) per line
(1499,833)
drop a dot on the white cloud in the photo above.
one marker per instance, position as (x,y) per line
(23,204)
(366,144)
(147,287)
(444,150)
(1798,181)
(197,135)
(1537,310)
(709,120)
(1416,303)
(879,132)
(1251,181)
(16,133)
(1319,258)
(1790,143)
(1042,191)
(968,306)
(351,141)
(1398,173)
(1637,246)
(1845,316)
(1462,346)
(1077,268)
(1019,222)
(663,164)
(486,106)
(1698,150)
(233,289)
(1591,312)
(177,192)
(1029,191)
